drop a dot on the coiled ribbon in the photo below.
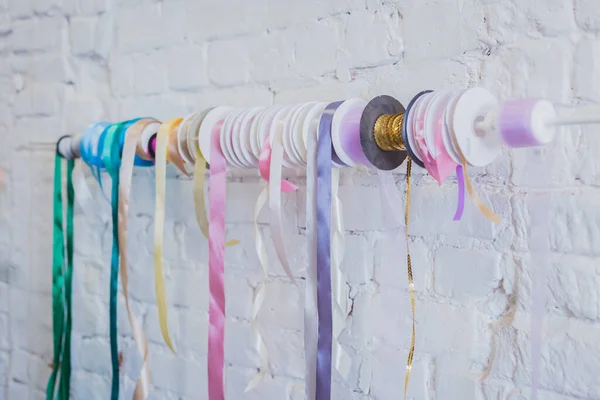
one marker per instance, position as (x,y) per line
(324,303)
(162,140)
(62,274)
(131,147)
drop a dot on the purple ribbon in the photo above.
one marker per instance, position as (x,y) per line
(460,207)
(350,136)
(324,307)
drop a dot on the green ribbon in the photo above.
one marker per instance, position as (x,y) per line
(62,282)
(111,158)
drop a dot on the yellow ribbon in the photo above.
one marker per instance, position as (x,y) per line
(162,139)
(130,148)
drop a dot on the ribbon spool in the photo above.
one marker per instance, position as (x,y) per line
(380,138)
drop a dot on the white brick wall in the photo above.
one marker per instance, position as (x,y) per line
(66,63)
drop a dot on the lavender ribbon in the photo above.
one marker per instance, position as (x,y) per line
(324,306)
(460,207)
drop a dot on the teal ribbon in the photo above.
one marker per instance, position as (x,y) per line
(62,283)
(111,158)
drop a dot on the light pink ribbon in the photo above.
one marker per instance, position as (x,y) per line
(216,259)
(264,164)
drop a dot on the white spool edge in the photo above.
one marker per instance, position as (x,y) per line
(245,139)
(311,125)
(446,131)
(150,130)
(437,107)
(286,138)
(421,109)
(182,139)
(204,136)
(336,126)
(297,138)
(233,138)
(542,114)
(411,128)
(264,129)
(224,137)
(479,151)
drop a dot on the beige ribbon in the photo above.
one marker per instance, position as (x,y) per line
(132,147)
(483,209)
(162,140)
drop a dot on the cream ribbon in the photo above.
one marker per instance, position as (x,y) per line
(162,140)
(259,298)
(132,137)
(341,359)
(275,200)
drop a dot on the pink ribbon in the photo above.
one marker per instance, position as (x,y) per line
(264,164)
(216,259)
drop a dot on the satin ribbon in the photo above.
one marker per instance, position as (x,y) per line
(162,139)
(259,298)
(483,209)
(62,274)
(216,264)
(265,161)
(276,186)
(341,359)
(310,299)
(131,147)
(460,207)
(90,150)
(112,161)
(324,304)
(173,155)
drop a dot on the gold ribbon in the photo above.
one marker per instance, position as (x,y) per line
(411,285)
(132,147)
(162,139)
(173,155)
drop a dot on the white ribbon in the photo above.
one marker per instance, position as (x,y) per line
(341,358)
(275,200)
(259,298)
(310,297)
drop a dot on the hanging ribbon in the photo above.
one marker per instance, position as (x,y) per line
(112,161)
(162,139)
(460,207)
(341,359)
(216,264)
(483,209)
(259,298)
(62,274)
(90,149)
(276,186)
(131,147)
(310,300)
(411,285)
(325,313)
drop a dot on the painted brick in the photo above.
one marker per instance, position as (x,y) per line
(66,63)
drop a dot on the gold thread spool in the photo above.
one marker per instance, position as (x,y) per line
(388,132)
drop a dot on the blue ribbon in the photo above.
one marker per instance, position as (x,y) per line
(324,306)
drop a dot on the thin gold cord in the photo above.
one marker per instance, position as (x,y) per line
(411,285)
